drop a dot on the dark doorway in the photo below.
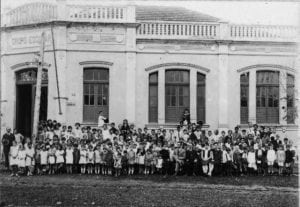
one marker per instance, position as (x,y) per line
(24,109)
(25,95)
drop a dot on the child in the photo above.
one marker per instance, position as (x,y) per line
(105,167)
(44,159)
(109,160)
(83,158)
(271,157)
(90,160)
(131,161)
(159,164)
(207,157)
(244,161)
(118,164)
(237,159)
(224,160)
(29,160)
(229,162)
(141,160)
(251,161)
(37,160)
(69,158)
(280,159)
(76,158)
(51,157)
(125,163)
(289,159)
(148,161)
(59,159)
(13,152)
(97,160)
(260,157)
(21,159)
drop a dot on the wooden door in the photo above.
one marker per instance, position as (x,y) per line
(177,95)
(95,94)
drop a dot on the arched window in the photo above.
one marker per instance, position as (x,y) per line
(177,94)
(291,111)
(201,97)
(244,97)
(267,97)
(153,97)
(95,93)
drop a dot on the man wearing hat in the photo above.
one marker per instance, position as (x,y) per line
(7,141)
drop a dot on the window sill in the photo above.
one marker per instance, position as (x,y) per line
(167,125)
(271,125)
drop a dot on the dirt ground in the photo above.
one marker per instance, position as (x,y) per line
(93,190)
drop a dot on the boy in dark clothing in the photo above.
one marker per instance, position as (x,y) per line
(165,155)
(217,152)
(189,160)
(289,160)
(76,157)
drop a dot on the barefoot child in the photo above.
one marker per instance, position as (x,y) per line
(83,159)
(29,161)
(21,159)
(131,160)
(118,164)
(51,159)
(280,159)
(59,154)
(97,160)
(90,160)
(44,159)
(69,159)
(271,157)
(251,159)
(13,152)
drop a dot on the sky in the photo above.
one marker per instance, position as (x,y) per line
(244,12)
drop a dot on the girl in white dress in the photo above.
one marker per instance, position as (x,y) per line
(97,160)
(83,158)
(44,159)
(141,160)
(159,163)
(13,154)
(21,159)
(251,159)
(69,159)
(59,154)
(29,161)
(271,157)
(51,159)
(90,159)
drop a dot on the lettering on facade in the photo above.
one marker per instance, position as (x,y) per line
(29,40)
(71,104)
(269,49)
(96,38)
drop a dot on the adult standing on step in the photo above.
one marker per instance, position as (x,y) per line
(7,141)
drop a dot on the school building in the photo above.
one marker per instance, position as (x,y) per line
(146,64)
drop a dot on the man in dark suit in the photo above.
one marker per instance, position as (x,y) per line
(7,141)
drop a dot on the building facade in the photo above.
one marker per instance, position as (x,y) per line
(147,64)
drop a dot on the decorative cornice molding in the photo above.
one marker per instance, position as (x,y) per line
(178,65)
(268,66)
(27,65)
(96,63)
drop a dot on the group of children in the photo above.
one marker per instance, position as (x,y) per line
(125,150)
